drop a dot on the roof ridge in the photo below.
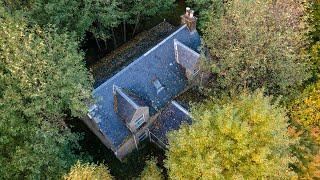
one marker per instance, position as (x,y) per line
(141,57)
(123,94)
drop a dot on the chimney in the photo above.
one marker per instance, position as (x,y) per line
(187,11)
(189,19)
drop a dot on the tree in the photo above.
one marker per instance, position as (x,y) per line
(96,16)
(245,138)
(99,17)
(206,9)
(134,11)
(83,171)
(305,117)
(306,110)
(42,79)
(256,44)
(145,8)
(151,171)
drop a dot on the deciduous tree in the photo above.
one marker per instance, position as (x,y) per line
(96,16)
(151,171)
(245,138)
(258,44)
(84,171)
(42,77)
(305,117)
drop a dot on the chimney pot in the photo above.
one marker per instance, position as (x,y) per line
(189,19)
(191,13)
(188,11)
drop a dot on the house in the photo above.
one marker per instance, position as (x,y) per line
(138,102)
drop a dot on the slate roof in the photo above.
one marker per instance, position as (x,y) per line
(185,56)
(170,119)
(127,103)
(159,62)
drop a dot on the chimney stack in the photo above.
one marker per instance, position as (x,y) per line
(189,19)
(187,11)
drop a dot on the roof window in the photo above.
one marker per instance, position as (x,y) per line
(158,85)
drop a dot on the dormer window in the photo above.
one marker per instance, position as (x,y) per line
(158,85)
(139,121)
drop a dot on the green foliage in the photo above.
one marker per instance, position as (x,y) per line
(315,20)
(13,5)
(206,9)
(151,171)
(243,139)
(306,110)
(258,44)
(139,9)
(305,117)
(88,171)
(42,77)
(315,58)
(97,16)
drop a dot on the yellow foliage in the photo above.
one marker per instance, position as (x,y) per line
(306,111)
(88,171)
(245,138)
(151,171)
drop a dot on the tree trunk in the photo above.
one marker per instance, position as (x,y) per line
(124,32)
(136,25)
(97,43)
(105,44)
(114,39)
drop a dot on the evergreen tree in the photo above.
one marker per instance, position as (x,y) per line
(245,138)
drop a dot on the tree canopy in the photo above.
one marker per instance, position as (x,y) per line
(245,138)
(151,171)
(96,16)
(256,44)
(305,126)
(42,78)
(84,171)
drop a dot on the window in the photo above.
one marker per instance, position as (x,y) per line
(196,71)
(158,85)
(139,121)
(142,137)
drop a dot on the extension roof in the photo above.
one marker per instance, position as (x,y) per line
(158,63)
(170,119)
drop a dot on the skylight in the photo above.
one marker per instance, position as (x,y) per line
(158,85)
